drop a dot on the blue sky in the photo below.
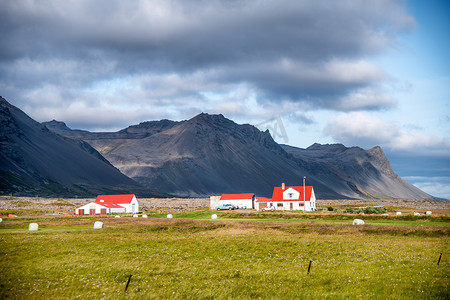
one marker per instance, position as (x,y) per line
(328,71)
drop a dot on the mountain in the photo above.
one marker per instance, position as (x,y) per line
(210,154)
(367,172)
(36,161)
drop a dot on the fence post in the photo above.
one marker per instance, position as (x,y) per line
(128,282)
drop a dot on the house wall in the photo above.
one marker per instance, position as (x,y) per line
(90,206)
(129,206)
(244,203)
(214,201)
(286,205)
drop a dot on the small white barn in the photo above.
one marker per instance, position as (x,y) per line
(240,200)
(289,198)
(106,204)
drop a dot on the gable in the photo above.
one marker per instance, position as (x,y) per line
(297,191)
(291,194)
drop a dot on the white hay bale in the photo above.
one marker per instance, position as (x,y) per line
(428,213)
(417,214)
(135,216)
(117,217)
(169,216)
(98,225)
(214,216)
(358,222)
(399,213)
(144,216)
(33,227)
(1,220)
(385,214)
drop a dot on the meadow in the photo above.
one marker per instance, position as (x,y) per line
(237,256)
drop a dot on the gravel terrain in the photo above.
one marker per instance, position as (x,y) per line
(178,205)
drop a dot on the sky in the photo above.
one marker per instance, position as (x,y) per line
(357,72)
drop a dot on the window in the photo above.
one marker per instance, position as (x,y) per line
(291,195)
(279,204)
(302,204)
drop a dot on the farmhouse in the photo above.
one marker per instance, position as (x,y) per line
(289,198)
(106,204)
(240,200)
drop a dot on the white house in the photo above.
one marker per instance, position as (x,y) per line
(241,200)
(106,204)
(289,198)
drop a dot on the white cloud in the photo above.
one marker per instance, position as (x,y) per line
(436,186)
(363,129)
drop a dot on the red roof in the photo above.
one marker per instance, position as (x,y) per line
(114,199)
(109,205)
(236,196)
(278,193)
(263,199)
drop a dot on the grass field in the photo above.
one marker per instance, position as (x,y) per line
(234,257)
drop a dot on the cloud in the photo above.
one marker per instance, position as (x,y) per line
(363,129)
(308,52)
(436,186)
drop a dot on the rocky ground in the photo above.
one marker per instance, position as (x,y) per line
(177,205)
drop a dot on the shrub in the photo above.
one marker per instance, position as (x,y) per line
(366,210)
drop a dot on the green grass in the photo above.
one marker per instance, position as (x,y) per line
(219,259)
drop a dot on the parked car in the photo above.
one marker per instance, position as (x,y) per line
(267,208)
(225,206)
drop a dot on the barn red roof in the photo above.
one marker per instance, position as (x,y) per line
(236,196)
(114,199)
(263,199)
(278,193)
(109,205)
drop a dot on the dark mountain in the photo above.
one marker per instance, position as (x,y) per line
(36,161)
(210,154)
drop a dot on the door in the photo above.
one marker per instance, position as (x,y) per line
(103,211)
(133,208)
(92,211)
(292,206)
(81,212)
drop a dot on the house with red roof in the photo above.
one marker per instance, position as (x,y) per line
(240,200)
(289,198)
(106,204)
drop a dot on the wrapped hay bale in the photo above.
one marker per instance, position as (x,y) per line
(428,213)
(98,225)
(358,222)
(135,216)
(144,216)
(169,216)
(417,214)
(214,216)
(399,213)
(33,227)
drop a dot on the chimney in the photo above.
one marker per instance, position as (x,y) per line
(282,186)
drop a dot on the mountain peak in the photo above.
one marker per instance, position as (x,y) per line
(208,118)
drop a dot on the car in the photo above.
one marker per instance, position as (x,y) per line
(225,206)
(267,208)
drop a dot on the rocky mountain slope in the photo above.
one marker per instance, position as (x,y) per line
(210,154)
(36,161)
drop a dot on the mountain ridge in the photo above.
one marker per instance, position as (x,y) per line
(35,160)
(210,154)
